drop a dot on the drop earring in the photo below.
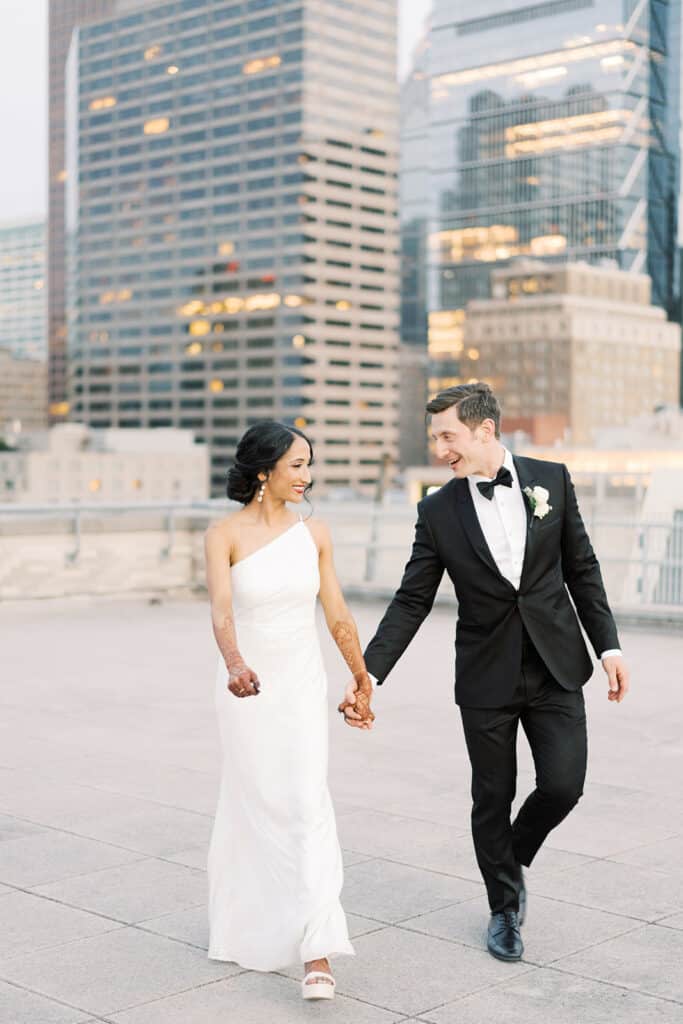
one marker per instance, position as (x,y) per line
(261,490)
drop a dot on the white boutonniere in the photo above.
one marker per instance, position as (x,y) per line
(538,499)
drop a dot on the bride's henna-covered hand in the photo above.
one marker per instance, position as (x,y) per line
(356,703)
(242,680)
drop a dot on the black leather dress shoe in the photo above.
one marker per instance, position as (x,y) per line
(522,898)
(504,941)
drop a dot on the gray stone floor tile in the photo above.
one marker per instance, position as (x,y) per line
(362,925)
(17,1006)
(666,856)
(551,861)
(13,828)
(635,814)
(50,856)
(648,960)
(132,892)
(551,997)
(405,840)
(189,925)
(552,929)
(43,800)
(153,830)
(409,973)
(351,857)
(193,857)
(28,922)
(253,998)
(115,971)
(390,892)
(672,921)
(616,888)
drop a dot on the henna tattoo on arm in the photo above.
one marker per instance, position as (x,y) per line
(346,638)
(226,638)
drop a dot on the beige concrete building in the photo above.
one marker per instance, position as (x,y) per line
(571,349)
(249,268)
(72,463)
(23,392)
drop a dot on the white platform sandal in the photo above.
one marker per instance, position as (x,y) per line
(318,989)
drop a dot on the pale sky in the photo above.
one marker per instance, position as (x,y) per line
(23,99)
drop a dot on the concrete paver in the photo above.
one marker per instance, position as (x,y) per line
(108,780)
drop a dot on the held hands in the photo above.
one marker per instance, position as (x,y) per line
(618,677)
(243,681)
(355,706)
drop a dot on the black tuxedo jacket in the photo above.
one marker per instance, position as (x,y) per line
(559,561)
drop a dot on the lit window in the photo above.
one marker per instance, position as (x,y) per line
(216,385)
(192,307)
(95,485)
(152,51)
(157,126)
(194,348)
(172,69)
(200,327)
(298,341)
(253,67)
(103,103)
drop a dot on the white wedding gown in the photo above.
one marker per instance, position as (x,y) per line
(275,866)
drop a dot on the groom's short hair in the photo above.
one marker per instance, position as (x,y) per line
(474,403)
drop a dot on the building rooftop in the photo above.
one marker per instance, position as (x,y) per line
(110,765)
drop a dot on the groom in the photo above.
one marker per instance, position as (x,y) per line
(508,532)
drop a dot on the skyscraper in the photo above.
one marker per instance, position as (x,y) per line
(553,132)
(62,16)
(22,288)
(232,220)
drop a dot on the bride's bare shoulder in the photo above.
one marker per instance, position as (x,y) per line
(320,530)
(222,532)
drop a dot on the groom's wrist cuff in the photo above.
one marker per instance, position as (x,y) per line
(373,679)
(614,652)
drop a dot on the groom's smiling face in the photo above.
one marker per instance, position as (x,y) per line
(465,449)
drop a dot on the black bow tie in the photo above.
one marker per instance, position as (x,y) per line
(487,487)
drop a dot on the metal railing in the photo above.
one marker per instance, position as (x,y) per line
(642,563)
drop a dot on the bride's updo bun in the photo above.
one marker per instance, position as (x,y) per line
(258,450)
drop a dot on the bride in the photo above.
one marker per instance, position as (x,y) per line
(275,867)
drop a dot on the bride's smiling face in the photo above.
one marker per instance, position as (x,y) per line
(291,474)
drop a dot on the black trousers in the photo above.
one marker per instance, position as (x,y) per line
(554,721)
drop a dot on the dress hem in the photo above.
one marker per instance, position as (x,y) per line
(226,958)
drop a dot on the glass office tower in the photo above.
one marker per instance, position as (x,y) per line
(232,222)
(22,288)
(553,132)
(63,15)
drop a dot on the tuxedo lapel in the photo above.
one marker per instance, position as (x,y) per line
(472,527)
(527,479)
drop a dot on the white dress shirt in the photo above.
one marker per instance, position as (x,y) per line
(503,521)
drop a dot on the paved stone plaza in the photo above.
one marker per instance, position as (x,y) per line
(108,772)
